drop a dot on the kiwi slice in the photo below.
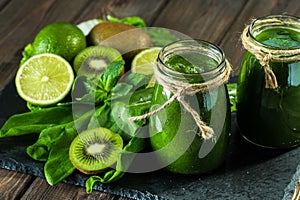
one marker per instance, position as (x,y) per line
(95,150)
(94,59)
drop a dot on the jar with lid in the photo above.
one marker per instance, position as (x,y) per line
(190,120)
(268,91)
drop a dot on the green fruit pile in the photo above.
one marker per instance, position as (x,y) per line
(60,38)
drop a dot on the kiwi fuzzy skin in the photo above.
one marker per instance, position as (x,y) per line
(127,39)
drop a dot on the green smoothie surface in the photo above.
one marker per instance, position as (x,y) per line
(191,62)
(280,37)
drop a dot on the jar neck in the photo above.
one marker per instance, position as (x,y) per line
(279,22)
(207,60)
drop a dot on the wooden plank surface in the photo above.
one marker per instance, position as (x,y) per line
(40,189)
(206,20)
(231,43)
(23,19)
(220,22)
(13,184)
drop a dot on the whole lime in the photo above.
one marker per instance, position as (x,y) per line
(61,38)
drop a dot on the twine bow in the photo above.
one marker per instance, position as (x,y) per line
(181,89)
(265,55)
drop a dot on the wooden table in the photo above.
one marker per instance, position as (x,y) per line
(218,21)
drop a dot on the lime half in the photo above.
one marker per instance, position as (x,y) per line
(144,61)
(44,79)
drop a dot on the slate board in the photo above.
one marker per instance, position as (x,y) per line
(249,172)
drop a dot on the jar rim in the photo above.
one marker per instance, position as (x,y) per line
(264,21)
(221,61)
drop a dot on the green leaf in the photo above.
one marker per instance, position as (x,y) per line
(134,21)
(58,165)
(96,90)
(32,107)
(111,75)
(27,53)
(53,147)
(101,117)
(160,36)
(232,95)
(121,90)
(129,83)
(136,79)
(86,90)
(41,148)
(35,121)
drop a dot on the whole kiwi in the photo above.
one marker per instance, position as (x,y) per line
(94,150)
(129,40)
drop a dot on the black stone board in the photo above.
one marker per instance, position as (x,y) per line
(249,172)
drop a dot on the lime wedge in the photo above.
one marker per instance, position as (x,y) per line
(44,79)
(144,61)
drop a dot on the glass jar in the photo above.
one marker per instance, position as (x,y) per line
(268,92)
(179,142)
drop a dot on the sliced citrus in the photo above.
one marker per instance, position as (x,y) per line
(144,61)
(44,79)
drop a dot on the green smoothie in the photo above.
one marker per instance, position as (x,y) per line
(174,133)
(270,117)
(191,62)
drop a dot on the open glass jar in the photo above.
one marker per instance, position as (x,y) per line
(268,93)
(190,132)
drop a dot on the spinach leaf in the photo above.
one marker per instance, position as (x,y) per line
(58,165)
(41,148)
(35,121)
(53,145)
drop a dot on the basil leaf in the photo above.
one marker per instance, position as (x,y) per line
(110,76)
(96,90)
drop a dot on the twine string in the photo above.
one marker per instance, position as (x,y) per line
(180,89)
(266,55)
